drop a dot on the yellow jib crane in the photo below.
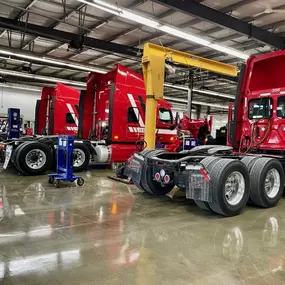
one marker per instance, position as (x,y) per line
(153,64)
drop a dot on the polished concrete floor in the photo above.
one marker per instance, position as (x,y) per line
(111,233)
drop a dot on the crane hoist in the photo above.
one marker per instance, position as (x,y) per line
(153,65)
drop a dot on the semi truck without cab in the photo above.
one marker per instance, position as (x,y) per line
(250,169)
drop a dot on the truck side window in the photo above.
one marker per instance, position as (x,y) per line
(69,118)
(133,115)
(281,107)
(260,108)
(165,116)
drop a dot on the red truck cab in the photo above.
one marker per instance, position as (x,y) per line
(57,111)
(257,120)
(113,110)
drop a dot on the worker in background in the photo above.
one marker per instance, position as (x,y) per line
(209,138)
(27,130)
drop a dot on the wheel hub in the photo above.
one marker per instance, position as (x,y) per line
(234,188)
(35,159)
(78,157)
(272,183)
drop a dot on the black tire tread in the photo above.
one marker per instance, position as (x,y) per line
(16,159)
(249,161)
(208,164)
(21,161)
(146,175)
(256,176)
(86,151)
(215,176)
(203,205)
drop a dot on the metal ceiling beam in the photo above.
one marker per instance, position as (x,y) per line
(67,37)
(22,13)
(193,22)
(209,14)
(100,24)
(54,24)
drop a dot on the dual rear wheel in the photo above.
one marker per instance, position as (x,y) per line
(256,179)
(35,158)
(233,183)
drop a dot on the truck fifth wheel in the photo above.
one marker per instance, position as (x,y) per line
(223,179)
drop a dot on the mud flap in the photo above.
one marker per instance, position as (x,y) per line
(197,186)
(133,168)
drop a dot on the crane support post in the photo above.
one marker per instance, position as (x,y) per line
(153,64)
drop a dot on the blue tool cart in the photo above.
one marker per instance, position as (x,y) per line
(64,170)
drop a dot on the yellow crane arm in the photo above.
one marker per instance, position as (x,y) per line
(153,64)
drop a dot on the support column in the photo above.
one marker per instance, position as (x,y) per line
(150,121)
(190,94)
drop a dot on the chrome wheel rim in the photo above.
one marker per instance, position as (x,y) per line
(272,183)
(78,157)
(35,159)
(234,188)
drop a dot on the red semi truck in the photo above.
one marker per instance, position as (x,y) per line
(113,110)
(110,125)
(223,179)
(197,127)
(57,111)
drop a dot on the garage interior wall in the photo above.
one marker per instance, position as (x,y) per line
(25,100)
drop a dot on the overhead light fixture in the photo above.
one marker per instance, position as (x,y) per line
(50,60)
(216,94)
(207,92)
(171,30)
(213,105)
(83,85)
(43,78)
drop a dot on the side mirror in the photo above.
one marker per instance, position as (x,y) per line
(177,118)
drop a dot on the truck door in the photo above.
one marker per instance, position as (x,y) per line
(43,110)
(65,118)
(231,123)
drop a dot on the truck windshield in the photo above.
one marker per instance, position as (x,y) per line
(281,107)
(165,116)
(260,108)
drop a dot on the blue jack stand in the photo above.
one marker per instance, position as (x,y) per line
(64,170)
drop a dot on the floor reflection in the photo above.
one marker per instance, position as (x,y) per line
(110,232)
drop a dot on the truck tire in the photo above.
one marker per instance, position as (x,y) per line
(229,181)
(266,182)
(147,182)
(208,163)
(141,185)
(16,159)
(143,153)
(34,158)
(81,157)
(249,161)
